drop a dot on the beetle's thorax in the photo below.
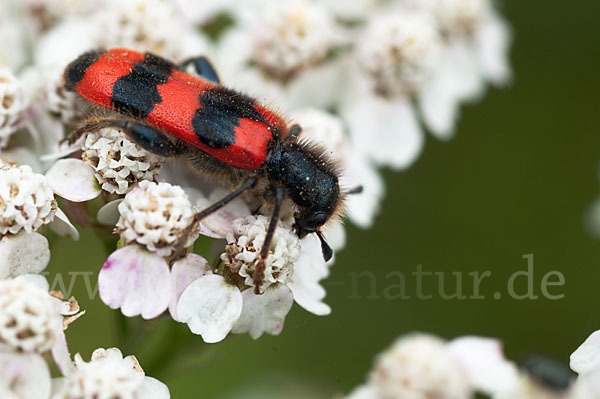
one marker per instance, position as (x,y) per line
(309,181)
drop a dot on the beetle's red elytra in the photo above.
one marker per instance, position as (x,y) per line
(225,134)
(127,80)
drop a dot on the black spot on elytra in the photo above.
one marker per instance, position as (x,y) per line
(220,112)
(136,93)
(75,71)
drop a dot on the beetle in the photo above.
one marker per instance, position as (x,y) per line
(226,135)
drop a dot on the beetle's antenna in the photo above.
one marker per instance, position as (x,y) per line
(259,270)
(325,248)
(355,190)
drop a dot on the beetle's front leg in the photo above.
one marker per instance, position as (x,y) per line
(145,136)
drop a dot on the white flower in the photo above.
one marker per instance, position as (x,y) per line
(109,375)
(244,245)
(153,26)
(475,52)
(324,128)
(156,215)
(399,51)
(458,17)
(30,318)
(12,104)
(396,57)
(119,163)
(47,88)
(26,203)
(292,36)
(284,53)
(24,376)
(585,361)
(26,200)
(420,366)
(141,283)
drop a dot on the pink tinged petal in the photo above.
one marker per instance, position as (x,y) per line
(152,388)
(23,253)
(73,179)
(109,213)
(136,281)
(309,269)
(493,39)
(26,375)
(586,359)
(264,313)
(60,353)
(183,273)
(365,391)
(210,306)
(62,226)
(394,136)
(484,364)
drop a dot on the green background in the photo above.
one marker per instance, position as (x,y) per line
(517,179)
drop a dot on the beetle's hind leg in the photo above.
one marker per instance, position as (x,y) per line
(183,238)
(203,67)
(259,269)
(145,136)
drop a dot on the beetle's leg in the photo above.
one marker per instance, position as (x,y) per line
(259,270)
(180,247)
(145,136)
(203,67)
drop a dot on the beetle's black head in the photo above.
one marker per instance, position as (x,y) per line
(311,181)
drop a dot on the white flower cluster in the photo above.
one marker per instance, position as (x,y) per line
(26,200)
(292,37)
(32,321)
(12,104)
(244,244)
(351,75)
(29,316)
(119,163)
(419,366)
(156,215)
(109,375)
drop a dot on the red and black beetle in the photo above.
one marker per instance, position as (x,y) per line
(225,134)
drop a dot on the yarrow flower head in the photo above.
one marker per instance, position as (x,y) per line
(155,215)
(12,104)
(293,36)
(26,200)
(109,375)
(399,51)
(421,366)
(119,163)
(459,17)
(30,318)
(243,246)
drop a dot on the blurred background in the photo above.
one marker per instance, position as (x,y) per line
(517,179)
